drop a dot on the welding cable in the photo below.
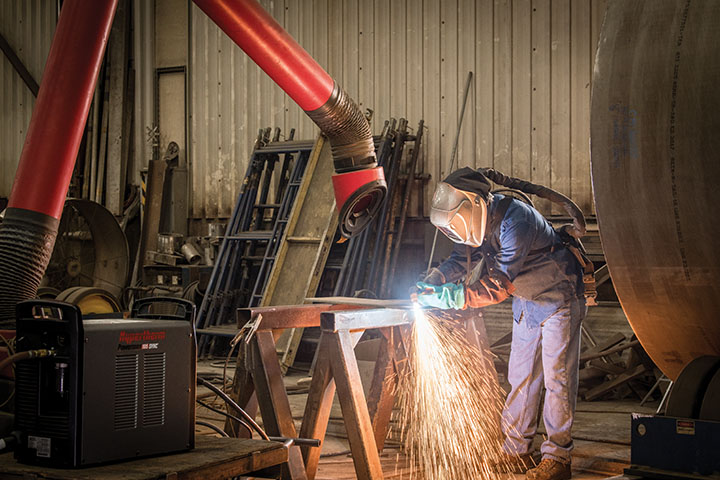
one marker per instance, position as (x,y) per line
(8,443)
(250,421)
(212,427)
(306,442)
(26,355)
(228,415)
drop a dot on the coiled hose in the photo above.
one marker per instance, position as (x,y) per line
(578,227)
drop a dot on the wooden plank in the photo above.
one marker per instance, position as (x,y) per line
(19,66)
(364,319)
(352,402)
(521,88)
(580,71)
(319,404)
(414,64)
(448,84)
(320,32)
(273,400)
(398,59)
(560,99)
(381,94)
(290,316)
(381,396)
(540,110)
(484,45)
(243,393)
(293,113)
(431,95)
(368,302)
(366,58)
(118,49)
(621,379)
(502,81)
(350,44)
(465,32)
(212,458)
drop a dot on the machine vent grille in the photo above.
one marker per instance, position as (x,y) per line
(126,392)
(154,389)
(27,386)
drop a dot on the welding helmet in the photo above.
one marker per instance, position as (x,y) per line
(459,206)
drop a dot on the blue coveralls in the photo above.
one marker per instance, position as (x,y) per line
(548,308)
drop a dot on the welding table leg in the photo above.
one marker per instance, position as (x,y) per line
(476,334)
(273,399)
(344,367)
(243,393)
(319,403)
(389,369)
(381,396)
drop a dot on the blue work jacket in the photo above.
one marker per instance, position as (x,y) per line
(527,251)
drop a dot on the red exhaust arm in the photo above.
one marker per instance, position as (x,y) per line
(359,184)
(28,231)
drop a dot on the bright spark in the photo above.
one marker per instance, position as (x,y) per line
(450,404)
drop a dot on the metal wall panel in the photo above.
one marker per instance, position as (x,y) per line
(527,113)
(28,26)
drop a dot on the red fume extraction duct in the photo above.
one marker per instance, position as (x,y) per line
(28,231)
(359,183)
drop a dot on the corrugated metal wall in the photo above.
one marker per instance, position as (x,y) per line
(28,26)
(528,110)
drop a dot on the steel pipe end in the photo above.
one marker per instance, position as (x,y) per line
(359,195)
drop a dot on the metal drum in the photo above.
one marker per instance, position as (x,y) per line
(655,130)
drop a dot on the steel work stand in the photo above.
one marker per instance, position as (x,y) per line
(258,379)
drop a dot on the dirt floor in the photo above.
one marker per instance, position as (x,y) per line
(601,433)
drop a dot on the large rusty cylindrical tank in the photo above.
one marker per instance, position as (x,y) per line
(655,142)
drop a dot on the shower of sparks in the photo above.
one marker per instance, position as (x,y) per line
(450,404)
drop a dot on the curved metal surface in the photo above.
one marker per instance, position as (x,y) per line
(655,120)
(91,249)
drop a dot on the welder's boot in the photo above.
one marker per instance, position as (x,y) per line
(550,469)
(513,463)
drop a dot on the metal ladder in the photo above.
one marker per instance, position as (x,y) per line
(237,262)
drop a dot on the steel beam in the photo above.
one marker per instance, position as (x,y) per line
(288,316)
(364,319)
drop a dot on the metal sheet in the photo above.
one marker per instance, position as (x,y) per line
(655,171)
(28,26)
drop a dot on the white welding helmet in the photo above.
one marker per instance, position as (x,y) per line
(459,208)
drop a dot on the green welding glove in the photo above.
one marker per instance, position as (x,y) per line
(447,296)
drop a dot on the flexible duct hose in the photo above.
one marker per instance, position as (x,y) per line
(26,244)
(578,227)
(347,130)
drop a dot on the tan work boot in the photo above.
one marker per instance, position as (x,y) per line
(509,463)
(550,469)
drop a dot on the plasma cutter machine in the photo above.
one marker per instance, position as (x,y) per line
(112,388)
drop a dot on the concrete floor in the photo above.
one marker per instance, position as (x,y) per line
(601,433)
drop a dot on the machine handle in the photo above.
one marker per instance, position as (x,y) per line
(48,310)
(185,309)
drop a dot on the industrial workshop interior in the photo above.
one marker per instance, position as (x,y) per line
(359,239)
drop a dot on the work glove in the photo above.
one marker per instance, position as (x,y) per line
(447,296)
(434,277)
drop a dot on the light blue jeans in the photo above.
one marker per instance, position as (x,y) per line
(544,351)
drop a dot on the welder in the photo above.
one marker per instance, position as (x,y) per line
(507,248)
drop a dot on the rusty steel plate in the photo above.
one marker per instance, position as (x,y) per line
(655,142)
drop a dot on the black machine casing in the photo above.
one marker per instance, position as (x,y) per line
(674,445)
(116,389)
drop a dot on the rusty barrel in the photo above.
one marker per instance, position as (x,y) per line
(655,143)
